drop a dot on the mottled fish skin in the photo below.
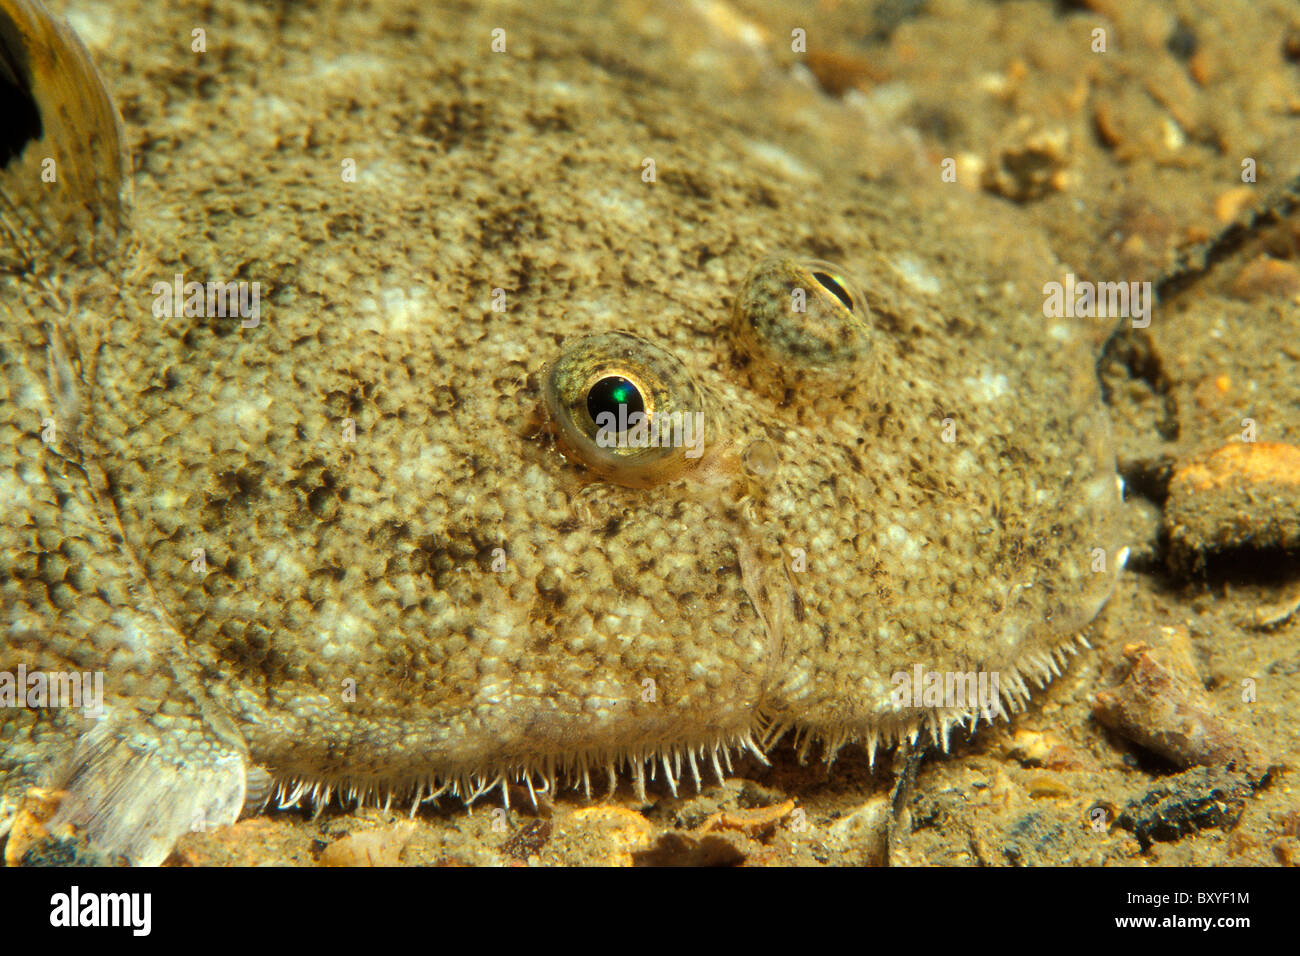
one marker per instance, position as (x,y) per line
(74,600)
(349,547)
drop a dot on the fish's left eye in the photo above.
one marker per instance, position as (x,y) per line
(802,312)
(625,408)
(836,285)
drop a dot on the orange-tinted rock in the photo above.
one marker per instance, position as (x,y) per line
(837,73)
(1245,494)
(1265,276)
(611,834)
(382,847)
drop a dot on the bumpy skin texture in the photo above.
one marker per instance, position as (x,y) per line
(448,597)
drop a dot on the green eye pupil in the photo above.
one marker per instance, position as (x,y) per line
(609,393)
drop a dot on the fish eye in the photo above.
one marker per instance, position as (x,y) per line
(802,312)
(625,408)
(57,112)
(836,286)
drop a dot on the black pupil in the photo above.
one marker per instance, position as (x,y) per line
(17,103)
(831,285)
(611,392)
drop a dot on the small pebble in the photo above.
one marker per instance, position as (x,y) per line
(1229,204)
(369,848)
(1030,164)
(1267,277)
(837,73)
(749,821)
(619,833)
(1046,785)
(1163,706)
(1181,805)
(862,835)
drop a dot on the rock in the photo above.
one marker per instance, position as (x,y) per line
(1034,839)
(1048,785)
(837,73)
(1035,748)
(861,838)
(685,849)
(1162,706)
(749,822)
(1265,276)
(605,836)
(31,842)
(1178,806)
(1031,163)
(250,842)
(1132,123)
(381,847)
(1229,204)
(527,841)
(1287,851)
(1245,494)
(1277,612)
